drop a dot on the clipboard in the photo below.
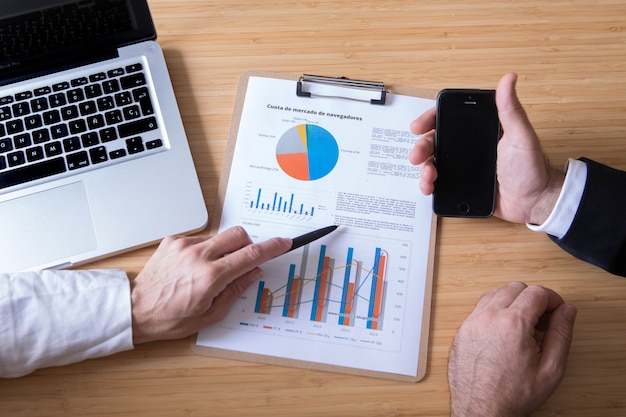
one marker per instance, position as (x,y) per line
(306,90)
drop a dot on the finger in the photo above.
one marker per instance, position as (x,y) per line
(504,296)
(557,341)
(230,240)
(423,149)
(535,301)
(249,257)
(428,176)
(486,298)
(424,123)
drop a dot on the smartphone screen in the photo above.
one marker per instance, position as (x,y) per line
(466,139)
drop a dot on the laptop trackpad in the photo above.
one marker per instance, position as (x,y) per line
(44,227)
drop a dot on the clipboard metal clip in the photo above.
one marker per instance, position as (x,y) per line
(356,90)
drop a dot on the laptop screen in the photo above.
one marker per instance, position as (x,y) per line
(38,36)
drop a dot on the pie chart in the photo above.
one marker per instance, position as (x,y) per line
(307,152)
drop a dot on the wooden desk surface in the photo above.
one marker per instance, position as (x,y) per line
(570,58)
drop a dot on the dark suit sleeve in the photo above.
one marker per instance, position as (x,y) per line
(598,232)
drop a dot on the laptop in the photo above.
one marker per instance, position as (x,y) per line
(93,155)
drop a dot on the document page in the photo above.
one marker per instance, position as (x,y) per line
(356,297)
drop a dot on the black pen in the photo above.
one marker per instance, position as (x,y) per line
(310,237)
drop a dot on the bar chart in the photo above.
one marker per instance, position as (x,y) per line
(264,200)
(335,290)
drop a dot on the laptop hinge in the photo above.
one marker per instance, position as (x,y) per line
(41,66)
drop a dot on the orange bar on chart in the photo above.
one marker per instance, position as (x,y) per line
(349,304)
(266,301)
(380,286)
(294,296)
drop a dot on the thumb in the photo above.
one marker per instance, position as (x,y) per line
(556,341)
(510,111)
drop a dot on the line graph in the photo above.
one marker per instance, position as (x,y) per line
(356,281)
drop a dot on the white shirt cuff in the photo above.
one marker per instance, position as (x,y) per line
(562,216)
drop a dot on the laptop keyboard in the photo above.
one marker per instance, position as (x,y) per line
(63,25)
(72,126)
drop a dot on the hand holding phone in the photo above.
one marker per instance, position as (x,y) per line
(466,140)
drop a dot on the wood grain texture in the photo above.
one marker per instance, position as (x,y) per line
(570,59)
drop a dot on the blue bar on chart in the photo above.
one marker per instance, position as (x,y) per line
(351,278)
(264,299)
(323,282)
(281,204)
(377,292)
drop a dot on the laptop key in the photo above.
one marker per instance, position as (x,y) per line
(77,160)
(136,127)
(115,72)
(32,172)
(97,77)
(61,86)
(53,148)
(21,109)
(153,144)
(71,144)
(24,95)
(90,139)
(39,104)
(22,140)
(57,100)
(52,116)
(111,86)
(135,145)
(42,91)
(93,90)
(118,153)
(98,154)
(134,80)
(6,145)
(59,131)
(76,95)
(16,158)
(5,113)
(33,122)
(87,108)
(134,68)
(79,81)
(41,135)
(34,154)
(15,126)
(142,96)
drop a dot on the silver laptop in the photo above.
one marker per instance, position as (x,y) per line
(93,156)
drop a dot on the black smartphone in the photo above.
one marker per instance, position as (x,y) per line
(466,140)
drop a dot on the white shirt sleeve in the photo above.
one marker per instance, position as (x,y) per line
(562,216)
(52,318)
